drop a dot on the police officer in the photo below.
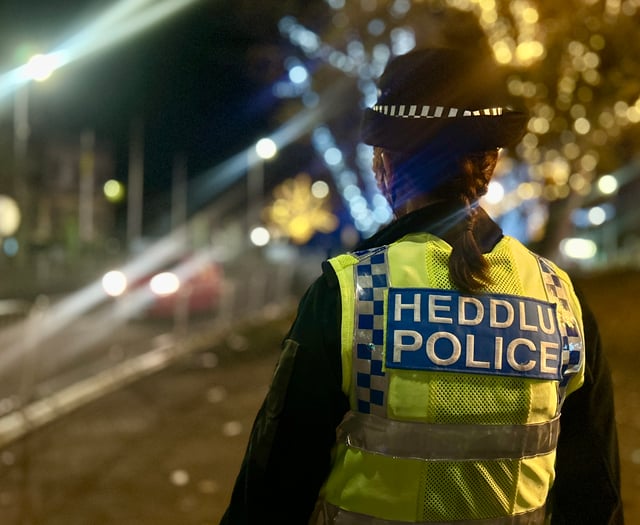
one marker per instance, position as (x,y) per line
(441,373)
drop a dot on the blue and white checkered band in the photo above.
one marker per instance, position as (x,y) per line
(572,342)
(416,111)
(369,377)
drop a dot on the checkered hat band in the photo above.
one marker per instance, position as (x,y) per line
(370,379)
(416,111)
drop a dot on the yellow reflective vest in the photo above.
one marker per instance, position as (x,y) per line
(455,399)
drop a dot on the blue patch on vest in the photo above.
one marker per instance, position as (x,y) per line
(443,330)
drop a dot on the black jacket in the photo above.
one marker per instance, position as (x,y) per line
(289,451)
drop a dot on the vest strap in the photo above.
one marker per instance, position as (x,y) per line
(427,441)
(326,514)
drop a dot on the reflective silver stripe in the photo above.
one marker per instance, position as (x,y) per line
(407,439)
(326,513)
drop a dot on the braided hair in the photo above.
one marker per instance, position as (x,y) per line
(461,180)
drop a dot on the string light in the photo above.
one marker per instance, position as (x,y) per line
(568,126)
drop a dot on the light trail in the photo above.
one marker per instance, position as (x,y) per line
(56,318)
(114,26)
(208,185)
(117,25)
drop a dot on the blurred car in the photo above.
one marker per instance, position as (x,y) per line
(191,287)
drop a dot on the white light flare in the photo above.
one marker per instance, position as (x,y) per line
(120,23)
(164,284)
(116,25)
(578,248)
(266,148)
(260,236)
(495,193)
(72,307)
(114,283)
(608,184)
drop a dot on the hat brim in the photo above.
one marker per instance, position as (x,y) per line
(462,134)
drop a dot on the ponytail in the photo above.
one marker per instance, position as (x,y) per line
(468,268)
(464,180)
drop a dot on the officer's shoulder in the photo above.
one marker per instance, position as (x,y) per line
(345,260)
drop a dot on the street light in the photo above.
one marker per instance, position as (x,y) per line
(264,149)
(41,67)
(38,68)
(9,216)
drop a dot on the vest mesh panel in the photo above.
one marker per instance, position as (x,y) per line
(481,494)
(465,398)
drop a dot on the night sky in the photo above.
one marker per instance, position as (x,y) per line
(193,80)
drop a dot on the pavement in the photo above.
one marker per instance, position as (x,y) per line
(163,447)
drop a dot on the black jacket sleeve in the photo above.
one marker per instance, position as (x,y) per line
(289,451)
(587,487)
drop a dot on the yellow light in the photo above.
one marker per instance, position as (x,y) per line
(621,108)
(592,76)
(297,212)
(320,189)
(597,42)
(489,17)
(571,150)
(528,190)
(300,230)
(577,181)
(582,126)
(113,190)
(606,120)
(530,15)
(539,125)
(591,60)
(633,114)
(502,52)
(528,51)
(589,161)
(9,216)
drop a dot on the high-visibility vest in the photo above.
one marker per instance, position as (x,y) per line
(455,399)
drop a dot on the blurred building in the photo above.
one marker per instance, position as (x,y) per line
(67,226)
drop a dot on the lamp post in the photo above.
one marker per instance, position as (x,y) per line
(264,149)
(38,68)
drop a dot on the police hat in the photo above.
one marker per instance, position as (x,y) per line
(445,98)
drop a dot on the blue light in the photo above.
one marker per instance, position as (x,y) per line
(10,246)
(403,40)
(333,156)
(335,4)
(298,74)
(376,27)
(310,99)
(382,214)
(351,192)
